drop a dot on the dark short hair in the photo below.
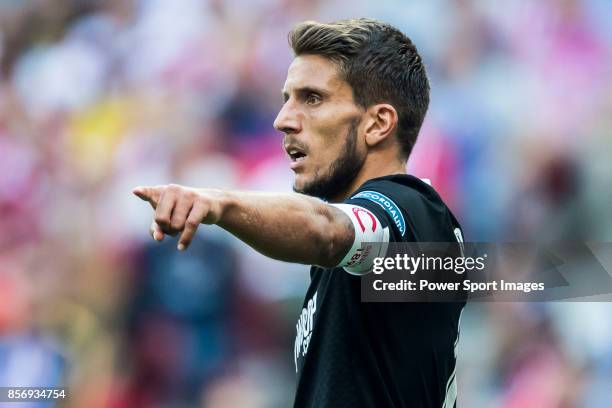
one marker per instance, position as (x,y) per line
(380,64)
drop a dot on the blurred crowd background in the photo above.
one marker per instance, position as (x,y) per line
(97,97)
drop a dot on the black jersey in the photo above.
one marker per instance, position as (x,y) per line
(354,354)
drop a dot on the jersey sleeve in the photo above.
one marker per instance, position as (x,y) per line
(371,239)
(382,200)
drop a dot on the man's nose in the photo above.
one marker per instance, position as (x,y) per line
(287,120)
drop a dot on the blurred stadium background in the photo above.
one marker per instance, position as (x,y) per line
(99,96)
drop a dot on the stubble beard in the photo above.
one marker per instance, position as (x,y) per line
(341,172)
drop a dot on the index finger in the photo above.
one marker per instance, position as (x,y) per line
(150,194)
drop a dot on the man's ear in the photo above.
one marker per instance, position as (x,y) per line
(381,122)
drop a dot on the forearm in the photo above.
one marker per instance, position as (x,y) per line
(290,227)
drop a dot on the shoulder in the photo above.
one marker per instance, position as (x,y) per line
(410,205)
(402,189)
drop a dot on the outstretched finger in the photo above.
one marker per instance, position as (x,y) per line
(197,214)
(150,194)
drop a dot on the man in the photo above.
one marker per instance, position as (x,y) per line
(354,100)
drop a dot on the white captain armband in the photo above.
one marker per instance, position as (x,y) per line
(371,239)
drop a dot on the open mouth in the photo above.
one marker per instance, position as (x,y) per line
(296,154)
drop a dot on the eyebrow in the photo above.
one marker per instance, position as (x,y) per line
(304,90)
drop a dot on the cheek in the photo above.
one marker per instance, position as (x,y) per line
(328,130)
(324,157)
(328,140)
(332,152)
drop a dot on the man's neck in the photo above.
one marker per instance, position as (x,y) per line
(368,172)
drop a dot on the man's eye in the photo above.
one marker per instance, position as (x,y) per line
(313,99)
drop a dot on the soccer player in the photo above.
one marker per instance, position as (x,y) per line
(355,97)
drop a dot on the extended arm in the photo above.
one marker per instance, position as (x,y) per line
(290,227)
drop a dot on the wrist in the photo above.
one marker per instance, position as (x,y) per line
(222,202)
